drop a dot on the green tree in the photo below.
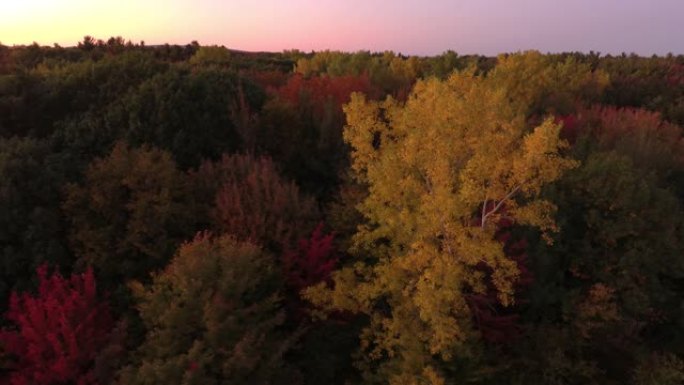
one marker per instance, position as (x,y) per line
(609,289)
(31,226)
(41,101)
(213,55)
(213,317)
(188,113)
(130,213)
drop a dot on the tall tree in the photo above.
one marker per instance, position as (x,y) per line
(455,150)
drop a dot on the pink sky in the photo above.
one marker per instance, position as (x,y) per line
(407,26)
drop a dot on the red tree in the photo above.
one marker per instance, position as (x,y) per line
(320,90)
(312,261)
(496,323)
(254,203)
(59,332)
(642,134)
(569,129)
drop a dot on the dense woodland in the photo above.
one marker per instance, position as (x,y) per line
(197,215)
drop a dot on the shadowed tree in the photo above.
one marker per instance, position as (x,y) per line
(607,298)
(213,317)
(130,213)
(31,225)
(247,198)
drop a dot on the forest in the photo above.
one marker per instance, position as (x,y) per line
(188,214)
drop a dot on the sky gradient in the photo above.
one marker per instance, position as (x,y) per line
(423,27)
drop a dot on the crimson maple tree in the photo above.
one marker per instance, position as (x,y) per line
(311,262)
(60,332)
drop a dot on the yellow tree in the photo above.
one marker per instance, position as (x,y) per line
(538,83)
(442,169)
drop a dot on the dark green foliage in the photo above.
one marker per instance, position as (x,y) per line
(654,83)
(31,227)
(213,317)
(188,113)
(130,213)
(33,102)
(609,291)
(613,281)
(324,354)
(192,113)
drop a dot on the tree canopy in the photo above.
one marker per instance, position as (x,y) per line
(223,216)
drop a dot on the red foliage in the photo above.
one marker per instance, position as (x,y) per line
(675,75)
(59,332)
(320,90)
(611,125)
(642,133)
(253,202)
(496,323)
(569,130)
(312,262)
(192,366)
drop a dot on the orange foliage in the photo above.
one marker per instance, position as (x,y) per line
(319,90)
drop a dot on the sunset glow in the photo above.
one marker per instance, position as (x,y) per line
(409,26)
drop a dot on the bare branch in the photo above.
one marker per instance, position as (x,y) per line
(498,205)
(484,212)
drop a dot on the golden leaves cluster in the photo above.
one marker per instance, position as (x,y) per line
(442,169)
